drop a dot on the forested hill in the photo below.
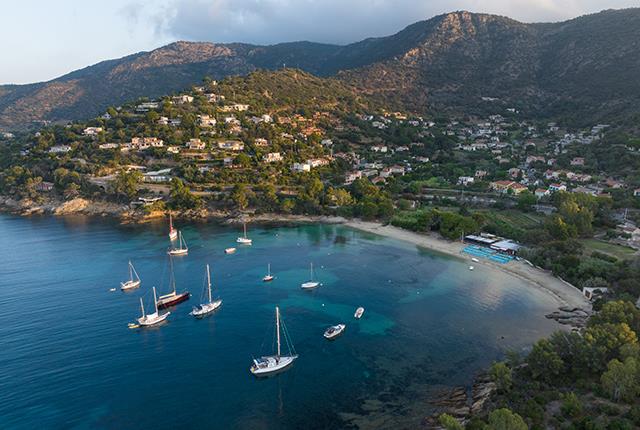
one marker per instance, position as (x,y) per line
(582,69)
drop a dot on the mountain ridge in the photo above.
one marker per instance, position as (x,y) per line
(447,62)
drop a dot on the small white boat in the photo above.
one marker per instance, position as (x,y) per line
(244,240)
(274,363)
(205,309)
(310,284)
(131,283)
(182,248)
(475,260)
(229,250)
(151,319)
(334,331)
(359,313)
(173,232)
(471,267)
(268,277)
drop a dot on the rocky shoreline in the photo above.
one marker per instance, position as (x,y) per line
(462,402)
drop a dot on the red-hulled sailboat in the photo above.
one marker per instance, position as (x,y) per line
(173,298)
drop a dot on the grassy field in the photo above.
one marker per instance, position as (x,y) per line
(618,251)
(516,218)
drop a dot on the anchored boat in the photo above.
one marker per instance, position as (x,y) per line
(244,240)
(131,283)
(205,309)
(173,298)
(334,331)
(182,248)
(151,319)
(310,284)
(275,363)
(268,277)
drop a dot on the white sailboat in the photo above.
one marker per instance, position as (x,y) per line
(206,308)
(173,232)
(244,240)
(182,248)
(154,318)
(229,250)
(268,277)
(310,284)
(274,363)
(131,283)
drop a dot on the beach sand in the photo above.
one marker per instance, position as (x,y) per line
(565,294)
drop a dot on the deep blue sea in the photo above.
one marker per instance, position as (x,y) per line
(69,361)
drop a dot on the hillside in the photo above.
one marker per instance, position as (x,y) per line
(585,68)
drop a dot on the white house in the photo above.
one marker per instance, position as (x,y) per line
(196,144)
(301,167)
(557,187)
(466,180)
(272,157)
(207,121)
(379,148)
(231,145)
(59,149)
(92,131)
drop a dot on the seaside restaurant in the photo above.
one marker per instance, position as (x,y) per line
(500,244)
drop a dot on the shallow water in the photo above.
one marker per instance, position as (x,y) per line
(68,360)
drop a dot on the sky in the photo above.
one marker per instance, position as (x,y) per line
(44,39)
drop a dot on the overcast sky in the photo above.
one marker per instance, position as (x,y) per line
(41,40)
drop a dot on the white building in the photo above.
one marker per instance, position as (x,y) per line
(272,157)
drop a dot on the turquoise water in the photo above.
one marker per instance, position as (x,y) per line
(68,360)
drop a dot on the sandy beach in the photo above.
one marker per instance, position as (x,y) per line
(565,294)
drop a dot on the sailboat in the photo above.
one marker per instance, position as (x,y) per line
(206,308)
(182,247)
(274,363)
(268,277)
(244,239)
(173,232)
(154,318)
(310,284)
(131,283)
(173,298)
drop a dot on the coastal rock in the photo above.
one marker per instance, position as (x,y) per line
(72,206)
(574,317)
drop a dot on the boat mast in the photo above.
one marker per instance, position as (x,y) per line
(278,329)
(130,271)
(245,229)
(209,282)
(311,271)
(170,223)
(269,269)
(173,276)
(155,300)
(142,307)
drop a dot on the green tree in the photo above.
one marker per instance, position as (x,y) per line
(182,197)
(544,362)
(126,183)
(504,419)
(501,375)
(240,196)
(571,405)
(449,423)
(620,380)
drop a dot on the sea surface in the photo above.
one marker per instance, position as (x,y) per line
(69,361)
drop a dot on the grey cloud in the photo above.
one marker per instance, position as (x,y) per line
(342,21)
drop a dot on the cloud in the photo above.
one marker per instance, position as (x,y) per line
(341,21)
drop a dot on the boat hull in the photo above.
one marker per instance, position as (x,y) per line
(205,309)
(338,330)
(273,365)
(229,250)
(267,278)
(310,285)
(129,285)
(175,252)
(359,313)
(165,302)
(243,241)
(152,319)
